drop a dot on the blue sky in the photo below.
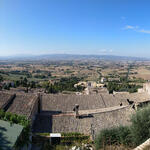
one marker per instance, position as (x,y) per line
(111,27)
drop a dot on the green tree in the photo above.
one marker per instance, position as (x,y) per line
(1,78)
(140,128)
(32,84)
(25,81)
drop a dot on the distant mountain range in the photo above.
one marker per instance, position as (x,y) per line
(73,57)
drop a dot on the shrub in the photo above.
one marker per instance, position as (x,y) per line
(136,134)
(113,136)
(74,137)
(72,134)
(140,128)
(125,136)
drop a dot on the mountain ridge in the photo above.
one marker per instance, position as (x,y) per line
(72,57)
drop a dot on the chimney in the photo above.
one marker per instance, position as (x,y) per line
(76,110)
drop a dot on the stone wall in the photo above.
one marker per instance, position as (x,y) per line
(112,119)
(96,123)
(147,88)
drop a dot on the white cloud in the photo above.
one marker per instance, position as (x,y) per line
(130,27)
(136,28)
(105,51)
(144,31)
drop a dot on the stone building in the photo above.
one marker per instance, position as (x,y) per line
(55,113)
(146,87)
(96,112)
(21,104)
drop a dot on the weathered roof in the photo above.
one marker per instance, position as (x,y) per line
(23,104)
(62,102)
(136,97)
(4,99)
(9,134)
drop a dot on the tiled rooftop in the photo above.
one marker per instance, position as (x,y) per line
(67,102)
(136,97)
(64,102)
(23,104)
(4,99)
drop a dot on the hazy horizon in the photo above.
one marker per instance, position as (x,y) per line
(65,56)
(42,54)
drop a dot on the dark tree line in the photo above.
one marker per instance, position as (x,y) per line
(65,84)
(120,87)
